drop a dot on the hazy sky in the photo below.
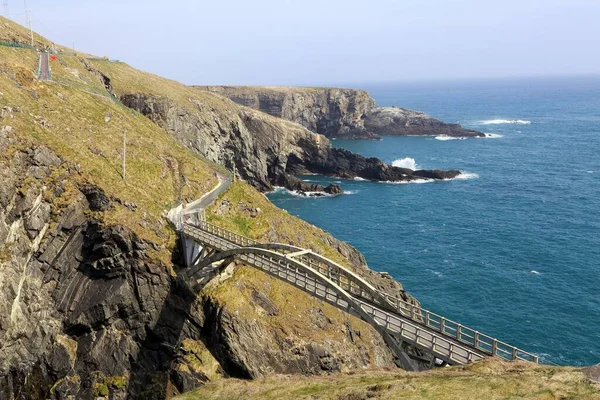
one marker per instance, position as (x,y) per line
(319,42)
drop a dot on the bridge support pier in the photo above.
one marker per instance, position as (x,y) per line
(192,251)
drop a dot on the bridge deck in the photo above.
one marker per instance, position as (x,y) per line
(323,278)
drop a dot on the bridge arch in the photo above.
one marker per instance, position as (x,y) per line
(259,258)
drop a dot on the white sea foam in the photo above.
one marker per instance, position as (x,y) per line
(279,189)
(310,194)
(445,137)
(407,182)
(535,272)
(462,176)
(466,175)
(505,121)
(351,191)
(407,162)
(358,178)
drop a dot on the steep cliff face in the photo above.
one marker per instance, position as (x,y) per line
(251,143)
(264,150)
(87,311)
(89,306)
(339,113)
(330,111)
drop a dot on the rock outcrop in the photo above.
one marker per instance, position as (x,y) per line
(345,164)
(403,122)
(87,312)
(339,113)
(265,151)
(332,112)
(89,306)
(243,140)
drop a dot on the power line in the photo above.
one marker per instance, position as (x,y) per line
(6,10)
(28,20)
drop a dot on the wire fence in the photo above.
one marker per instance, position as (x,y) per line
(17,45)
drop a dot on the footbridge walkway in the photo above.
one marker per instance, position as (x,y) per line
(209,248)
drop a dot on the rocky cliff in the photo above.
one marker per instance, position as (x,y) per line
(331,112)
(89,303)
(339,113)
(263,150)
(87,311)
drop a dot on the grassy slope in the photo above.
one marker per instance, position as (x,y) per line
(270,220)
(488,380)
(70,117)
(74,111)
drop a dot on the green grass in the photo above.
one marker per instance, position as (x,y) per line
(271,224)
(160,172)
(486,380)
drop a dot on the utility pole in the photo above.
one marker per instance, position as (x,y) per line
(30,28)
(28,20)
(6,10)
(124,151)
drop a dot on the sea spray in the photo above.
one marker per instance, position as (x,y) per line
(407,162)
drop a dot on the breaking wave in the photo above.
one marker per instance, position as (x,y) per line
(359,179)
(505,121)
(466,175)
(407,162)
(493,136)
(280,189)
(462,176)
(445,137)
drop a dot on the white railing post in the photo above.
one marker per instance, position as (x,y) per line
(360,289)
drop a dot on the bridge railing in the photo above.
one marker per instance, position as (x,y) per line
(461,332)
(436,322)
(416,313)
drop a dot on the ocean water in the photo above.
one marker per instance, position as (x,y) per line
(513,248)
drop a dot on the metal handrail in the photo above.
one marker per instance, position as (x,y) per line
(460,332)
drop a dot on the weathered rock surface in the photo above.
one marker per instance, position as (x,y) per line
(262,149)
(290,182)
(338,113)
(329,111)
(245,140)
(86,312)
(400,121)
(345,164)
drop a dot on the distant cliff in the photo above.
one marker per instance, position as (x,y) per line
(338,113)
(331,112)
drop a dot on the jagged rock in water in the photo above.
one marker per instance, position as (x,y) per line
(333,189)
(400,121)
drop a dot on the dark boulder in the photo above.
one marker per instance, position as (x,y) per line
(96,197)
(334,189)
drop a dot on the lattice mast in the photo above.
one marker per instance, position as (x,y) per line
(6,10)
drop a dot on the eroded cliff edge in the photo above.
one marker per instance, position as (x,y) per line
(339,113)
(263,150)
(89,304)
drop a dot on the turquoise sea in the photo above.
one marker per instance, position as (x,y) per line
(513,248)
